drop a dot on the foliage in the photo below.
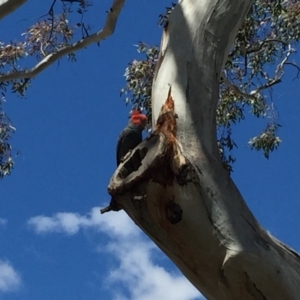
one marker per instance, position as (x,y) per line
(49,34)
(139,75)
(267,140)
(262,49)
(163,18)
(6,130)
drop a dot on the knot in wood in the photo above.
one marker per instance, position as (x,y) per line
(173,212)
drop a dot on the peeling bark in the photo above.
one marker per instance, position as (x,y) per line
(173,184)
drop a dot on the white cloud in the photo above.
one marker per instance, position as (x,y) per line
(3,222)
(68,223)
(10,280)
(144,279)
(136,274)
(71,223)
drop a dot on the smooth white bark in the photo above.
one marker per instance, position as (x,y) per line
(9,6)
(216,242)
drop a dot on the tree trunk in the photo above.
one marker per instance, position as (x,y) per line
(174,186)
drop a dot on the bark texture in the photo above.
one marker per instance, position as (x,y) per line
(9,6)
(173,184)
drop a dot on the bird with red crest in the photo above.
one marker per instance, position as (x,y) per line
(131,135)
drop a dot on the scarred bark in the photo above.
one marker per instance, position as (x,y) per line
(174,186)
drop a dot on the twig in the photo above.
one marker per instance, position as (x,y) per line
(266,86)
(280,66)
(248,51)
(278,74)
(235,89)
(51,13)
(294,65)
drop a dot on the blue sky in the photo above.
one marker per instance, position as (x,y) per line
(55,244)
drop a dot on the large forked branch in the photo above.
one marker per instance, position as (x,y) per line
(174,185)
(167,197)
(8,6)
(106,31)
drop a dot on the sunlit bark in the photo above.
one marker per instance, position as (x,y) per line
(174,185)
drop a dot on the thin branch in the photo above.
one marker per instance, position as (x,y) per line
(252,94)
(294,65)
(279,73)
(51,13)
(235,89)
(8,6)
(280,66)
(106,31)
(266,86)
(249,50)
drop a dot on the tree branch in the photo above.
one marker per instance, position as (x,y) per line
(279,72)
(266,86)
(256,49)
(106,31)
(8,6)
(195,213)
(235,89)
(280,66)
(295,66)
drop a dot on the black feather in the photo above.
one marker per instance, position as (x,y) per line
(129,138)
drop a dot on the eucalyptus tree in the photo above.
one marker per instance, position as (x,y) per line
(216,59)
